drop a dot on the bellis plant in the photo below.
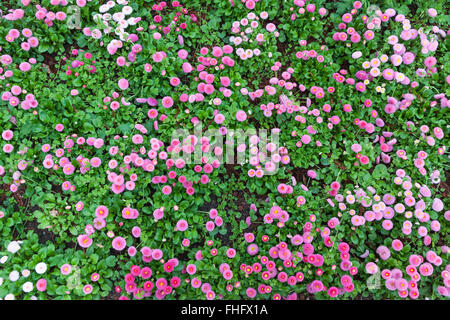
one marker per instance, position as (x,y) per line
(215,150)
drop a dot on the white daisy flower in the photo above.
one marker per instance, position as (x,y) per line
(14,276)
(103,8)
(27,286)
(123,24)
(127,10)
(132,21)
(26,273)
(118,16)
(356,54)
(13,246)
(41,268)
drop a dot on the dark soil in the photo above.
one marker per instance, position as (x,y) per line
(50,61)
(300,174)
(446,185)
(305,296)
(18,196)
(43,234)
(201,16)
(113,295)
(213,204)
(231,171)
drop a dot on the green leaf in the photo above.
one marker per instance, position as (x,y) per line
(111,261)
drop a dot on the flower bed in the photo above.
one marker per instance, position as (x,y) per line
(215,149)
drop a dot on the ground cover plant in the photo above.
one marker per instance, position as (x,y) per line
(215,149)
